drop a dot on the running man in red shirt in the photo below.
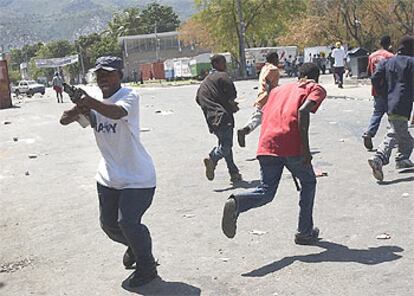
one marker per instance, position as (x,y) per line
(284,142)
(380,103)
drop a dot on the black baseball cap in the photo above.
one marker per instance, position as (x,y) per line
(108,63)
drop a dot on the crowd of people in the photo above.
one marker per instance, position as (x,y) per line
(126,177)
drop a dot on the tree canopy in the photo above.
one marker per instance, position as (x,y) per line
(300,22)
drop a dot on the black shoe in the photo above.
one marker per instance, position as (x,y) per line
(241,136)
(340,86)
(307,239)
(368,141)
(129,258)
(210,167)
(236,177)
(142,276)
(229,219)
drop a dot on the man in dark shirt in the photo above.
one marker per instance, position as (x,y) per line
(394,79)
(216,96)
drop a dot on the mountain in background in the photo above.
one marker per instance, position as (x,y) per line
(30,21)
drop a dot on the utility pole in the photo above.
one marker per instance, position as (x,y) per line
(156,43)
(242,51)
(82,65)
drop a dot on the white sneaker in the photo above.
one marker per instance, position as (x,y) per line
(376,165)
(404,164)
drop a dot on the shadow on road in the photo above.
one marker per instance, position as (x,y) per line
(161,287)
(2,285)
(334,253)
(241,184)
(396,181)
(406,171)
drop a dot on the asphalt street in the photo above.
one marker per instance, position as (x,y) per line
(51,242)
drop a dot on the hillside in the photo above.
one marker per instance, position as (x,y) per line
(30,21)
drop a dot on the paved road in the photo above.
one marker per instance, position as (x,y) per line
(51,243)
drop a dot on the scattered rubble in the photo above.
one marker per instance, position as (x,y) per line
(383,236)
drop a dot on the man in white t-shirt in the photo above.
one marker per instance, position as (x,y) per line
(126,174)
(339,64)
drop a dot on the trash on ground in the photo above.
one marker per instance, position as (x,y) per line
(332,122)
(257,232)
(225,259)
(144,129)
(320,173)
(15,139)
(32,156)
(383,236)
(6,122)
(341,140)
(164,113)
(27,173)
(405,194)
(188,216)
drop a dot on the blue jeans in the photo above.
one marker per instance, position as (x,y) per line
(224,148)
(380,107)
(121,212)
(398,135)
(271,168)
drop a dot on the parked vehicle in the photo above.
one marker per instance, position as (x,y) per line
(29,88)
(257,55)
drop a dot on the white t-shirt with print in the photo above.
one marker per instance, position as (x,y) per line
(125,163)
(339,55)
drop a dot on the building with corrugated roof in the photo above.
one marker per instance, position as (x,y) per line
(149,48)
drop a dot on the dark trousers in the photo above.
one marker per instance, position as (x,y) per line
(271,168)
(339,75)
(121,212)
(224,148)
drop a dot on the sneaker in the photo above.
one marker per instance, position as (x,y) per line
(404,164)
(241,136)
(307,239)
(376,165)
(367,141)
(340,85)
(236,177)
(129,259)
(141,277)
(210,167)
(229,220)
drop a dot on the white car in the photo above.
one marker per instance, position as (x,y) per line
(29,88)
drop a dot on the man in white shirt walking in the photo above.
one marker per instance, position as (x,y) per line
(126,174)
(339,64)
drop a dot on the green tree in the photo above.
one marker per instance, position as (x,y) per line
(125,23)
(218,22)
(24,54)
(133,21)
(161,17)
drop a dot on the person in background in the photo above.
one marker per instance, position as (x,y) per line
(268,80)
(339,63)
(216,97)
(380,102)
(394,80)
(57,84)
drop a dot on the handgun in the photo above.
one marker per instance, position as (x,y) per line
(75,94)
